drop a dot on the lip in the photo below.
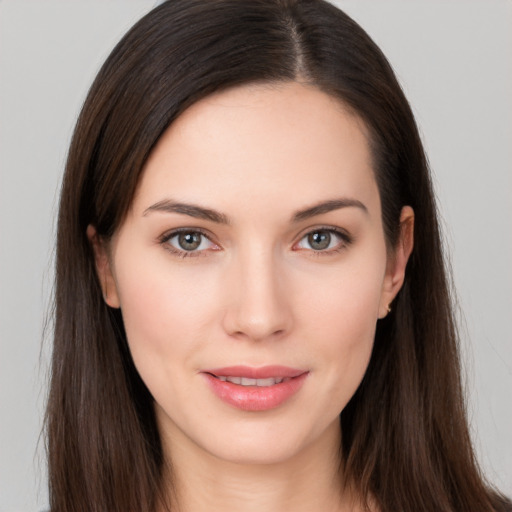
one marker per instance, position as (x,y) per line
(251,372)
(255,398)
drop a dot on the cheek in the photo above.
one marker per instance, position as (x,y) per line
(166,311)
(348,331)
(341,319)
(345,298)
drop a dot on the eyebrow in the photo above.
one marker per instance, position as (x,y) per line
(200,212)
(192,210)
(327,206)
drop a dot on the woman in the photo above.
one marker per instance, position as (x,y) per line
(251,305)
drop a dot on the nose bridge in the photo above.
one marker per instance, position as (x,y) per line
(258,307)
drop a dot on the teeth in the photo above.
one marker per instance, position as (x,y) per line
(245,381)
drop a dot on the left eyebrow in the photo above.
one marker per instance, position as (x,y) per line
(327,206)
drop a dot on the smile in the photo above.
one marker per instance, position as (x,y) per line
(255,389)
(245,381)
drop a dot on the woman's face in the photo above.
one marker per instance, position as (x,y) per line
(251,271)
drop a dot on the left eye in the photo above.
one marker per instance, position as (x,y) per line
(321,240)
(189,241)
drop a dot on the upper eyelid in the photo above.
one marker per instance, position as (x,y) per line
(176,231)
(343,233)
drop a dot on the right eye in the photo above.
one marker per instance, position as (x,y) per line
(188,242)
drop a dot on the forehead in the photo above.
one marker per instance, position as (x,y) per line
(266,143)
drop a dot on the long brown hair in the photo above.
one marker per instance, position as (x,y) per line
(405,437)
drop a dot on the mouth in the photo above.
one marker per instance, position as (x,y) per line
(246,381)
(255,389)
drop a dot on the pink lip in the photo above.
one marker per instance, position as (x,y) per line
(255,398)
(265,372)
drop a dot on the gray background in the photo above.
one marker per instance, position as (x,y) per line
(454,61)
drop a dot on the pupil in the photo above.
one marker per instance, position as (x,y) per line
(189,241)
(319,240)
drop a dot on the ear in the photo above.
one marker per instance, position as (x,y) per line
(103,268)
(397,261)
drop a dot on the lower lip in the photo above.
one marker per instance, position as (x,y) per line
(255,398)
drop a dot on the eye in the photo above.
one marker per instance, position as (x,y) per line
(187,242)
(324,240)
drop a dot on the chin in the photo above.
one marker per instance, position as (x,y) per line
(265,449)
(272,437)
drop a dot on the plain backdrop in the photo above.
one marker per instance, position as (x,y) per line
(454,61)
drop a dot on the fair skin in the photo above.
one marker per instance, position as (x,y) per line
(264,280)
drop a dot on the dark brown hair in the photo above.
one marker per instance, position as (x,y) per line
(405,437)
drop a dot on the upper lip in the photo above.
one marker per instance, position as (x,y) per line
(263,372)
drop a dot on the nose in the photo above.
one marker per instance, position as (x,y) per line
(258,301)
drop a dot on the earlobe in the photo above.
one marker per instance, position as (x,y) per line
(103,268)
(397,262)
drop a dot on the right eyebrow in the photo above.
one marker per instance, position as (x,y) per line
(192,210)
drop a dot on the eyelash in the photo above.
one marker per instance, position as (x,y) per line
(345,241)
(164,240)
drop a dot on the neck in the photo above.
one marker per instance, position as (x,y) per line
(310,480)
